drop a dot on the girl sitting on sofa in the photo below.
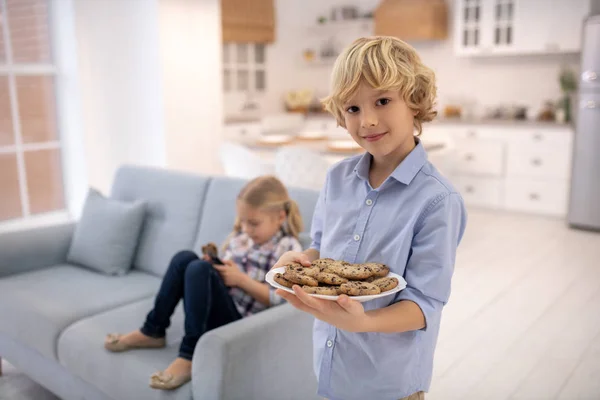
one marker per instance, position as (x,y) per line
(267,225)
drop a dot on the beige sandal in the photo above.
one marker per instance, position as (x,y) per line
(113,343)
(161,380)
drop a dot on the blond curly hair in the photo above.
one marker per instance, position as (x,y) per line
(385,63)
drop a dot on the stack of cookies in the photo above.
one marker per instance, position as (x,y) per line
(326,276)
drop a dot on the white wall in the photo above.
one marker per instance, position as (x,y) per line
(120,84)
(487,82)
(142,86)
(190,57)
(74,164)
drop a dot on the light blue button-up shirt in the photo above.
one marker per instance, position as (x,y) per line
(413,223)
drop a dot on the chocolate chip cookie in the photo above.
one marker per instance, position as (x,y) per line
(321,263)
(379,270)
(329,278)
(282,281)
(385,284)
(300,279)
(324,290)
(359,289)
(350,271)
(301,269)
(210,250)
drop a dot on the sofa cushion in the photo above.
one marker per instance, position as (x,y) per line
(35,307)
(173,205)
(218,212)
(107,233)
(120,375)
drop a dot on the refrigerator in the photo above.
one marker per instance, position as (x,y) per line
(584,203)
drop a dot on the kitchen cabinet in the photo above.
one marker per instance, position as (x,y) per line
(479,192)
(510,27)
(517,167)
(482,157)
(549,197)
(248,21)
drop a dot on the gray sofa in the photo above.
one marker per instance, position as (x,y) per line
(54,316)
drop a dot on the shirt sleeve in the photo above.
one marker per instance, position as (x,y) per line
(316,229)
(288,243)
(431,263)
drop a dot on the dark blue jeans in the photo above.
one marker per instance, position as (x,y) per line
(206,301)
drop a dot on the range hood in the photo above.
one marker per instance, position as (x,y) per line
(412,20)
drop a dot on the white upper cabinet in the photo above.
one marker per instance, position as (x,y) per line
(497,27)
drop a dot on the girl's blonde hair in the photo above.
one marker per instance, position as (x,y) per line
(267,193)
(385,63)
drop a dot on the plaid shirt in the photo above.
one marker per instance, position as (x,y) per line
(256,261)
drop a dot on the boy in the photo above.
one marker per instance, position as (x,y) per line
(391,206)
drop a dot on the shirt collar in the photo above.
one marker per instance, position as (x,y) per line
(404,173)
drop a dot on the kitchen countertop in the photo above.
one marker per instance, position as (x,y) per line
(240,120)
(500,122)
(437,122)
(322,147)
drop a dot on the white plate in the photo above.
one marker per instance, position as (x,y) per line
(281,270)
(312,135)
(343,144)
(275,139)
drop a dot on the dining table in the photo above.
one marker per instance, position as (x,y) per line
(333,149)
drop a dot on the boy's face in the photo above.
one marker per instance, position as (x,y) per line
(379,121)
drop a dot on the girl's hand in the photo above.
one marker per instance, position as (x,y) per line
(345,313)
(291,256)
(232,275)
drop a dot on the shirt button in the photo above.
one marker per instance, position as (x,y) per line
(369,202)
(329,343)
(356,238)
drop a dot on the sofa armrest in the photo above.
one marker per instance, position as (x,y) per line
(36,248)
(268,355)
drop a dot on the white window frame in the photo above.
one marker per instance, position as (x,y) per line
(11,70)
(231,64)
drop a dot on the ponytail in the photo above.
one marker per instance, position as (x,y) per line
(294,224)
(237,228)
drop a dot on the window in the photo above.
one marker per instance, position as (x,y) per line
(244,67)
(30,152)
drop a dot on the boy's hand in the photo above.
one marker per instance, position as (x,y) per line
(345,313)
(291,256)
(231,273)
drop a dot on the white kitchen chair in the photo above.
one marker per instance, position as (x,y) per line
(301,167)
(240,162)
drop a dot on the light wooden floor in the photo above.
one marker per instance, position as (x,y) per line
(523,320)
